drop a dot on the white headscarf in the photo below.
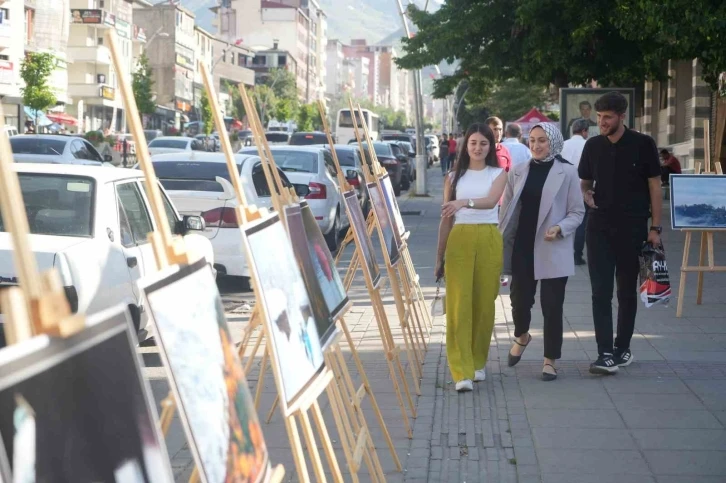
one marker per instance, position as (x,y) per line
(554,136)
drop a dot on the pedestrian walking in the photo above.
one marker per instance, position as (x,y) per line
(621,185)
(469,253)
(503,155)
(452,150)
(541,210)
(572,152)
(513,142)
(444,154)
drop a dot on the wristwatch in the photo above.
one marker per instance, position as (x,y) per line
(470,203)
(657,229)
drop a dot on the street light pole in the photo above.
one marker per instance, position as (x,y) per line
(421,158)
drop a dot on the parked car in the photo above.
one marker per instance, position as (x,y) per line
(277,137)
(401,154)
(390,163)
(411,138)
(56,149)
(199,184)
(151,134)
(92,226)
(246,137)
(173,144)
(434,140)
(312,170)
(210,143)
(309,138)
(352,163)
(410,151)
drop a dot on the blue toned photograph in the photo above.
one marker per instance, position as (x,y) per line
(698,202)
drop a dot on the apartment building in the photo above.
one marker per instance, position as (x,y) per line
(359,49)
(229,66)
(12,27)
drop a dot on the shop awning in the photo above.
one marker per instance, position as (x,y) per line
(32,115)
(63,118)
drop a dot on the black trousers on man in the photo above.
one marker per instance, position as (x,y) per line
(613,248)
(522,292)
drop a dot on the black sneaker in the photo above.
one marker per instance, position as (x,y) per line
(623,358)
(580,261)
(605,364)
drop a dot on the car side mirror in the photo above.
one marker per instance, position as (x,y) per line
(108,158)
(412,153)
(194,223)
(351,174)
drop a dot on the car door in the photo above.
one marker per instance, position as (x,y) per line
(331,176)
(140,254)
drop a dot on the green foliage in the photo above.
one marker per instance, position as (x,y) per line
(94,137)
(308,118)
(283,83)
(512,98)
(391,119)
(143,86)
(35,70)
(284,109)
(207,115)
(265,102)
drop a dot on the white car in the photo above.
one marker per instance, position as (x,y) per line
(199,184)
(174,144)
(92,225)
(311,170)
(434,146)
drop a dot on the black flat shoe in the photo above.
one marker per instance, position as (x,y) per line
(513,360)
(546,376)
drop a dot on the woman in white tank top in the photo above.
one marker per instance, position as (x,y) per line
(470,254)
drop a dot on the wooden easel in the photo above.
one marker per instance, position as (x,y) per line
(168,250)
(351,424)
(706,236)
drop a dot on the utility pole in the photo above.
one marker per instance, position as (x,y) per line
(421,158)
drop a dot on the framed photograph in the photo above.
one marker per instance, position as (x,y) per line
(576,103)
(363,241)
(295,343)
(392,204)
(79,409)
(325,288)
(698,202)
(388,231)
(205,374)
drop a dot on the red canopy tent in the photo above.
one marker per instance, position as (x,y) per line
(62,118)
(534,116)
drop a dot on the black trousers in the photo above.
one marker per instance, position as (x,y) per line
(613,247)
(552,298)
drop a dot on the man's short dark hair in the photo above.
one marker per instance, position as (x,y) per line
(665,152)
(514,130)
(612,101)
(492,120)
(585,103)
(580,125)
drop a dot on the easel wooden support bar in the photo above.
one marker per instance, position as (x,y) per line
(706,248)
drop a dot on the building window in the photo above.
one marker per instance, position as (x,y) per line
(4,15)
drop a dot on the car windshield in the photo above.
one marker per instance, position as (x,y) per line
(296,161)
(57,205)
(32,145)
(305,139)
(346,157)
(382,149)
(191,175)
(168,143)
(276,137)
(396,137)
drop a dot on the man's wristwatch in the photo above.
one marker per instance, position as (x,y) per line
(657,229)
(470,203)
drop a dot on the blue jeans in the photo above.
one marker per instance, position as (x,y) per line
(580,235)
(444,163)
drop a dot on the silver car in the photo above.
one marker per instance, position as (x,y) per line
(311,170)
(56,149)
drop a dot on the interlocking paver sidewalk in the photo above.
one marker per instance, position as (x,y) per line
(660,420)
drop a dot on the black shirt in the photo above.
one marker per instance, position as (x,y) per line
(529,213)
(620,172)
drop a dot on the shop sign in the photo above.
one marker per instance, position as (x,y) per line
(139,34)
(123,29)
(108,93)
(95,16)
(184,56)
(183,105)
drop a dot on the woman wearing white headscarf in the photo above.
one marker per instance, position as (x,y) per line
(541,210)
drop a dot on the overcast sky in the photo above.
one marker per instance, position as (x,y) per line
(700,189)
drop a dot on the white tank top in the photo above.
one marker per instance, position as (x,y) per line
(472,185)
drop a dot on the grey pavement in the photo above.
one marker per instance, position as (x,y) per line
(662,419)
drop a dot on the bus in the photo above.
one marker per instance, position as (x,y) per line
(344,130)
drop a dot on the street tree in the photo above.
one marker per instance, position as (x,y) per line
(512,98)
(283,83)
(307,114)
(285,109)
(143,86)
(35,70)
(207,115)
(556,42)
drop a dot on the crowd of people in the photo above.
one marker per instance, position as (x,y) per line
(527,212)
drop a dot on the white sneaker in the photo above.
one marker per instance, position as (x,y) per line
(480,375)
(465,385)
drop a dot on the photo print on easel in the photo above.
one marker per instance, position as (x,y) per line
(325,289)
(698,201)
(392,203)
(281,291)
(390,235)
(358,223)
(79,409)
(205,374)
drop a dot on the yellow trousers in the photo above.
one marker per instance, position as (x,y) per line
(473,265)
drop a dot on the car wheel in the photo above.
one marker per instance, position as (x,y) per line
(331,238)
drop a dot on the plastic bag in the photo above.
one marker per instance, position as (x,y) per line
(438,306)
(655,285)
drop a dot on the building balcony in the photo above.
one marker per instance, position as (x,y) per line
(6,35)
(93,94)
(98,54)
(31,4)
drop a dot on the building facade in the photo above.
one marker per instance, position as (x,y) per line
(12,52)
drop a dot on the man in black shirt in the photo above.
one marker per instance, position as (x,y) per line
(620,174)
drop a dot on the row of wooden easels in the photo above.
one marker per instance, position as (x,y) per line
(706,259)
